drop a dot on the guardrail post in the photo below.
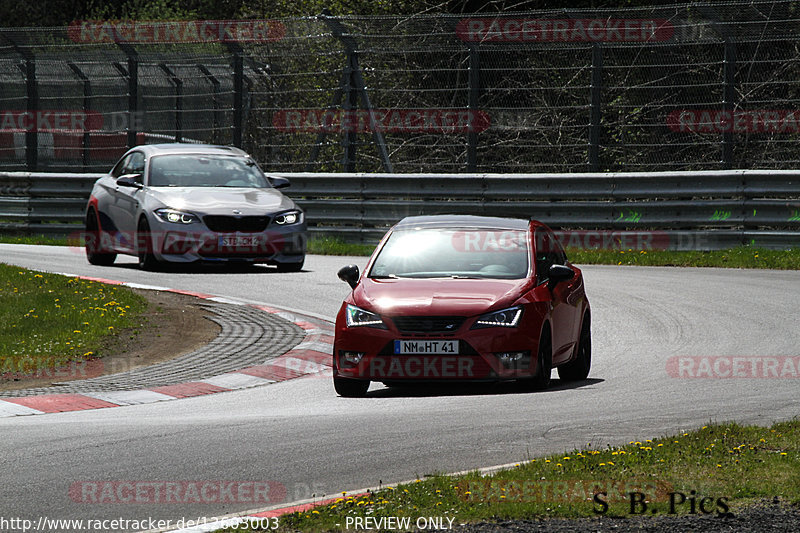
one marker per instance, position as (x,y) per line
(474,95)
(595,116)
(87,98)
(728,99)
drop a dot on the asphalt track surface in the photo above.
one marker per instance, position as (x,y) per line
(300,435)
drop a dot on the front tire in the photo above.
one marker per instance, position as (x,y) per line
(578,369)
(544,363)
(92,241)
(144,246)
(351,388)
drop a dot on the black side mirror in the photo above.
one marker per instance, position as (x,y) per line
(349,274)
(129,180)
(278,182)
(558,273)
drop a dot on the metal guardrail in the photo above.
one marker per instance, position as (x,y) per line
(683,210)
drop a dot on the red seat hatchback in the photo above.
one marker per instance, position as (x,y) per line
(462,298)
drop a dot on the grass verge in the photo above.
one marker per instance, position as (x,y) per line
(709,471)
(48,320)
(336,246)
(49,240)
(740,257)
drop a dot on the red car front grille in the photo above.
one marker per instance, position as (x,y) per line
(428,324)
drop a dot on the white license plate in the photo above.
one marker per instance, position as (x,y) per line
(434,347)
(237,242)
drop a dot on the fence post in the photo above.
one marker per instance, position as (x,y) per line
(214,101)
(133,90)
(238,96)
(595,116)
(474,95)
(178,100)
(32,134)
(32,99)
(87,99)
(349,139)
(728,99)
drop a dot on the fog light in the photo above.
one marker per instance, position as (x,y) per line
(351,358)
(177,243)
(514,359)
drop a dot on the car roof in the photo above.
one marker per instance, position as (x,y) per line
(187,148)
(463,221)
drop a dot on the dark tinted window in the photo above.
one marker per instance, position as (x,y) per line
(548,253)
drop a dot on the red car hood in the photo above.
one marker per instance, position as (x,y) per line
(456,297)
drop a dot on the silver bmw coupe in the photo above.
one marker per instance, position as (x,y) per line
(186,203)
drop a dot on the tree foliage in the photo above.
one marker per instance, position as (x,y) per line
(62,12)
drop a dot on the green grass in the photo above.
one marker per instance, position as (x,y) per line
(48,320)
(741,257)
(50,240)
(336,246)
(732,465)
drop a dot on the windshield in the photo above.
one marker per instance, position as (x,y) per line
(457,253)
(193,170)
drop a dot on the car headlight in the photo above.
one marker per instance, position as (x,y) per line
(292,217)
(175,216)
(359,317)
(506,318)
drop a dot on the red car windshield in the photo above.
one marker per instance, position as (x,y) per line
(453,253)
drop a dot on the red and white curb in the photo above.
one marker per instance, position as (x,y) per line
(311,357)
(263,517)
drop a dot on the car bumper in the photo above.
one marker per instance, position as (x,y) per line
(275,245)
(491,354)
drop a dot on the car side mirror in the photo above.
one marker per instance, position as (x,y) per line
(278,182)
(130,180)
(558,273)
(349,274)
